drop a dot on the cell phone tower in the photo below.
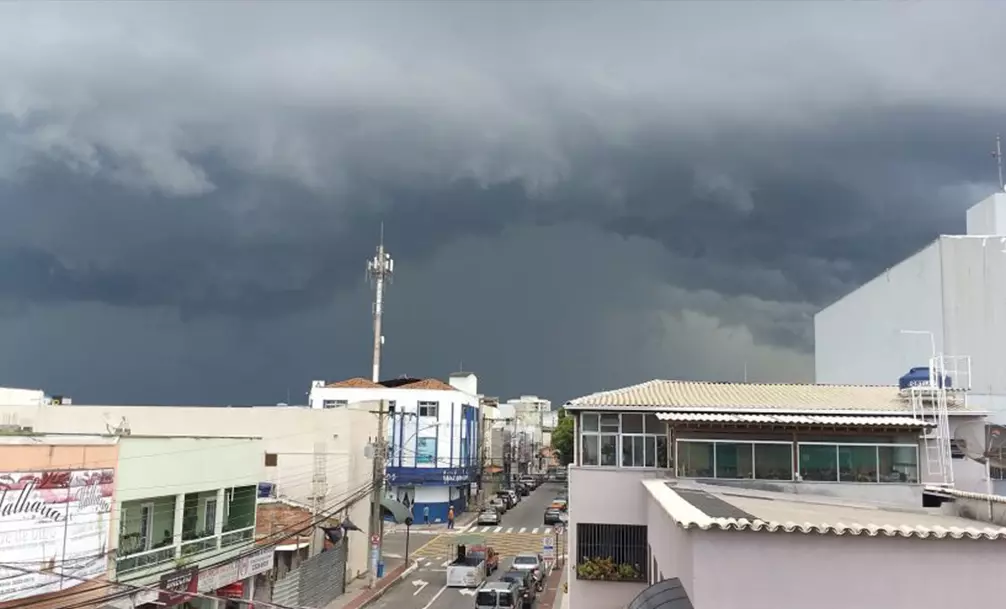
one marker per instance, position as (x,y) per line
(379,271)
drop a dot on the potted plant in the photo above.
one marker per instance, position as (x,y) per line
(607,569)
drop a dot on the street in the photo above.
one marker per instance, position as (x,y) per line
(521,530)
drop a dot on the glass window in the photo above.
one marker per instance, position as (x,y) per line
(609,423)
(695,459)
(590,449)
(898,464)
(634,451)
(857,463)
(655,426)
(588,421)
(662,452)
(609,449)
(650,451)
(734,460)
(632,423)
(773,461)
(819,462)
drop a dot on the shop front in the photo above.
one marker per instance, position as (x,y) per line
(190,587)
(435,488)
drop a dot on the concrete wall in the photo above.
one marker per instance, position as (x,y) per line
(858,340)
(795,571)
(954,288)
(10,396)
(592,493)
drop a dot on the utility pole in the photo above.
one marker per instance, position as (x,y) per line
(379,271)
(376,518)
(319,490)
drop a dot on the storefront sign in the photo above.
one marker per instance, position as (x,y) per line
(219,576)
(235,590)
(53,518)
(429,475)
(179,587)
(256,563)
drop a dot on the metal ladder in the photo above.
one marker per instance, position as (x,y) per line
(930,404)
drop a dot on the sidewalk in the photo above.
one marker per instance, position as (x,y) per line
(358,595)
(462,522)
(553,596)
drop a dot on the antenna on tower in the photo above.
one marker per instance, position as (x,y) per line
(998,155)
(379,270)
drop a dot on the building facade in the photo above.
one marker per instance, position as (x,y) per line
(847,442)
(57,508)
(945,298)
(294,443)
(432,433)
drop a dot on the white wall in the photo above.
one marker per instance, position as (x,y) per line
(988,217)
(10,396)
(858,339)
(467,382)
(407,402)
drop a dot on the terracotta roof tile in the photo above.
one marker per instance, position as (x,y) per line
(354,383)
(429,384)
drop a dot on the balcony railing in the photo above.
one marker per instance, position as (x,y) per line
(199,545)
(142,560)
(233,537)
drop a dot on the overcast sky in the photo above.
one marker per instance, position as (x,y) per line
(578,196)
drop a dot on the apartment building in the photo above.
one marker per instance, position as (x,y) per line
(695,463)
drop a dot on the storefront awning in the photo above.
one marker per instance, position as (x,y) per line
(795,419)
(399,512)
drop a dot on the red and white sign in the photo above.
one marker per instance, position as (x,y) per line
(235,590)
(375,540)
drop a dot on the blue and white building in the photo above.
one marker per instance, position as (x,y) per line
(432,434)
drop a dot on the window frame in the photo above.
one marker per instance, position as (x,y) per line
(632,546)
(426,404)
(876,447)
(754,461)
(603,430)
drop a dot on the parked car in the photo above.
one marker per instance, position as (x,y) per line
(507,498)
(500,595)
(552,516)
(526,583)
(513,496)
(531,563)
(560,504)
(499,504)
(489,515)
(523,489)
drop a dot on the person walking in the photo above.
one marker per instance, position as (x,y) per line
(426,515)
(450,517)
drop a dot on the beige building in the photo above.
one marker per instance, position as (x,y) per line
(302,451)
(722,482)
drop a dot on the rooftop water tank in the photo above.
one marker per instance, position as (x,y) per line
(919,377)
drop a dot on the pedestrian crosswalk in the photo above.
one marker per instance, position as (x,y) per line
(435,564)
(519,530)
(505,543)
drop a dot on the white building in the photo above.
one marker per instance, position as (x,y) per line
(432,432)
(845,444)
(11,396)
(948,296)
(293,441)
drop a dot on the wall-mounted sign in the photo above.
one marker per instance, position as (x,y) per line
(179,586)
(429,475)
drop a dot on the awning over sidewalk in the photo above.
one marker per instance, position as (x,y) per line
(399,512)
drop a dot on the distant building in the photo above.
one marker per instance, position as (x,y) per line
(693,463)
(953,289)
(432,432)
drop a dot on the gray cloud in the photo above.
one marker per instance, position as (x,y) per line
(706,179)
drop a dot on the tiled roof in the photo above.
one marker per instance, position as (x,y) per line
(429,384)
(691,395)
(354,383)
(905,420)
(709,507)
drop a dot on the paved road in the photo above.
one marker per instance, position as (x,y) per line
(426,589)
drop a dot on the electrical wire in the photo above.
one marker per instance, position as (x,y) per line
(282,535)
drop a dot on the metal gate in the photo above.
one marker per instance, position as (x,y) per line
(316,582)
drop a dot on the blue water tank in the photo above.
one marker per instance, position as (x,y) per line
(919,377)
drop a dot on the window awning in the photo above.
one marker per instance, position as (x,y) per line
(795,419)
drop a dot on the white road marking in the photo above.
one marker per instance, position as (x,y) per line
(389,555)
(435,597)
(534,531)
(510,530)
(498,529)
(523,529)
(547,531)
(419,584)
(467,592)
(445,563)
(469,527)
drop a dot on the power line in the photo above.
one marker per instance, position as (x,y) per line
(280,536)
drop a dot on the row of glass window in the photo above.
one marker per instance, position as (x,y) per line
(756,460)
(817,462)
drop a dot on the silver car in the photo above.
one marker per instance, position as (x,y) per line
(489,515)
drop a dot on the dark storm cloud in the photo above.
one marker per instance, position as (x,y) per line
(237,164)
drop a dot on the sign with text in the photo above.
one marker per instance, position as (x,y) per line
(50,521)
(179,586)
(428,475)
(548,547)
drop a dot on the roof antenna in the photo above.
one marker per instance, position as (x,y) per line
(998,155)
